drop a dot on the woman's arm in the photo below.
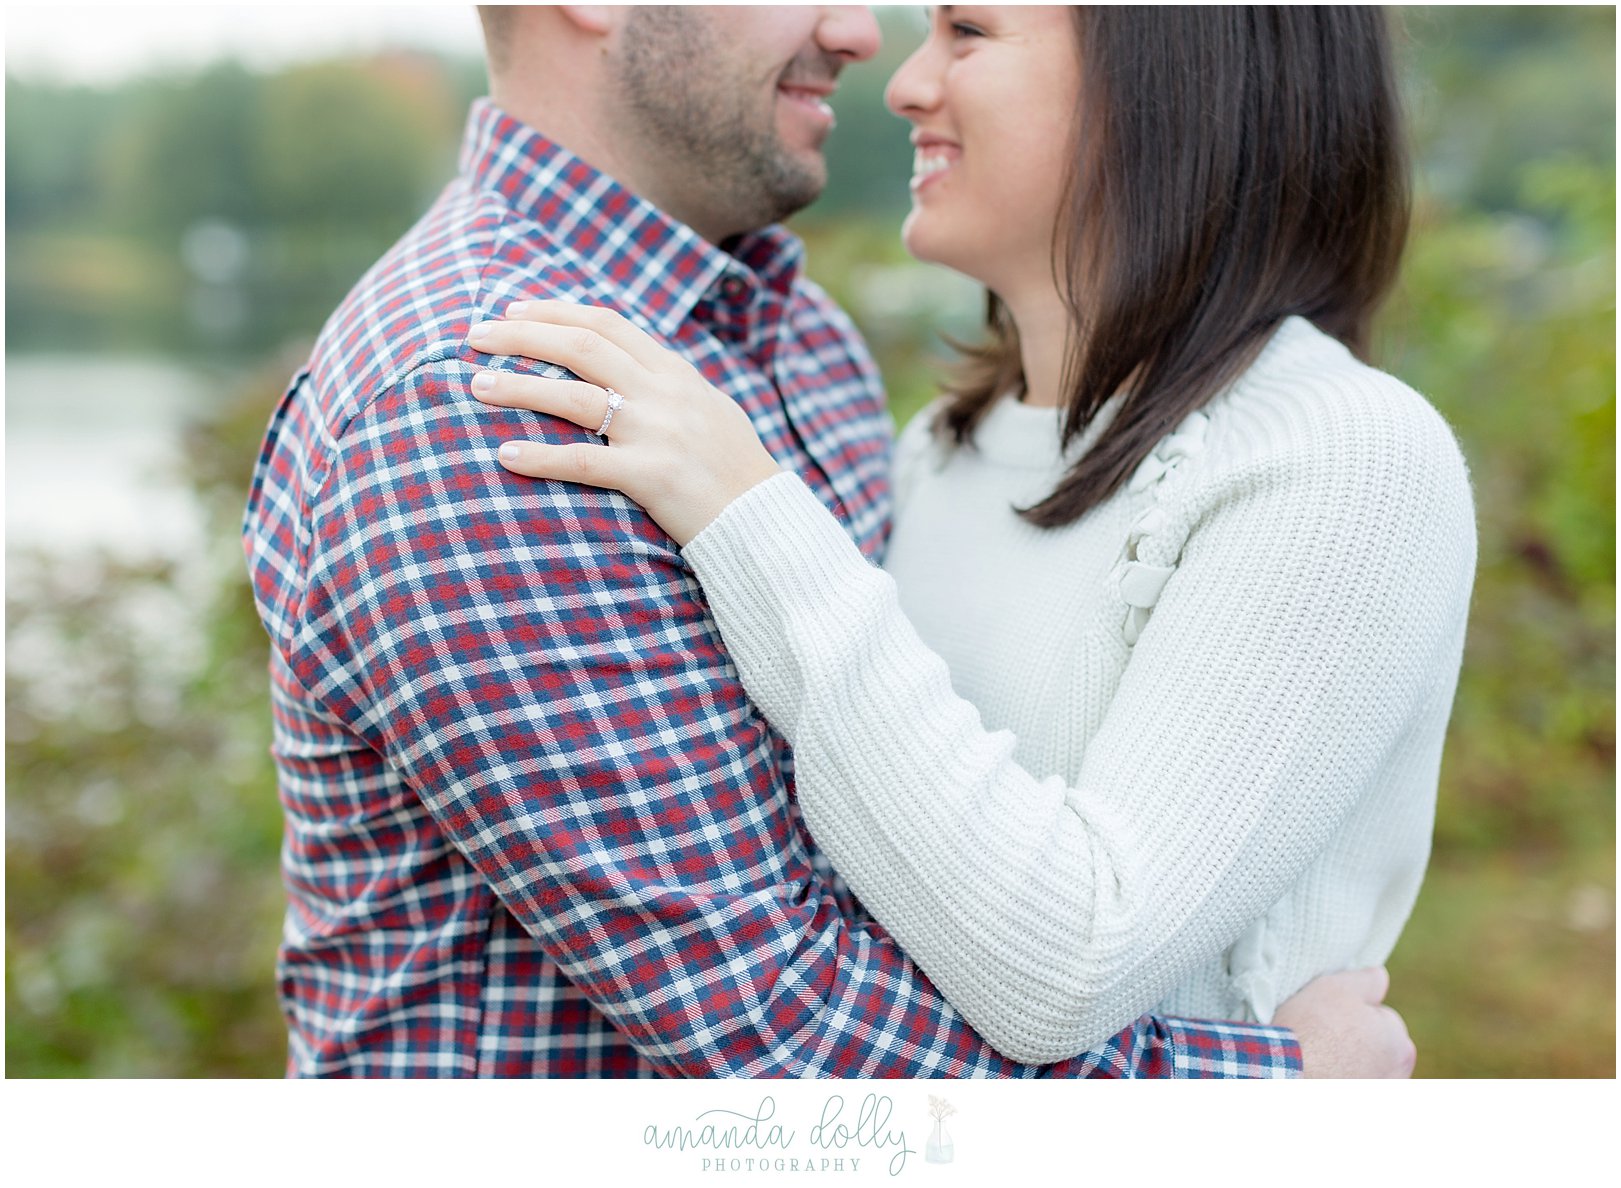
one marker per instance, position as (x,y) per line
(1283,661)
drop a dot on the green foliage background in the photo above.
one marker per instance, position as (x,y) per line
(142,826)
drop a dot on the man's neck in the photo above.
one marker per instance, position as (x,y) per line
(591,140)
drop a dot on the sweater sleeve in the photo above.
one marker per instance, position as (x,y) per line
(1316,601)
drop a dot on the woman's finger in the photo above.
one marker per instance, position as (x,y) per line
(573,400)
(583,351)
(576,462)
(611,324)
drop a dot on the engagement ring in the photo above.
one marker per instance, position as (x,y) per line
(615,403)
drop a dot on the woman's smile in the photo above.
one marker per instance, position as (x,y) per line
(990,94)
(931,157)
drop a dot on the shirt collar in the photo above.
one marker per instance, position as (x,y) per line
(648,262)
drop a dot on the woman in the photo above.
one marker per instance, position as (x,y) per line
(1203,572)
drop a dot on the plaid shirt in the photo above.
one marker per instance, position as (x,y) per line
(534,826)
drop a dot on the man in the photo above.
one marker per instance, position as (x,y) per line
(534,825)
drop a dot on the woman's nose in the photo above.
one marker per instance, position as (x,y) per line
(914,88)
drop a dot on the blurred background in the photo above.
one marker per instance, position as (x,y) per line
(187,198)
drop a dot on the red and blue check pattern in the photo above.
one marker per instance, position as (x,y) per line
(534,826)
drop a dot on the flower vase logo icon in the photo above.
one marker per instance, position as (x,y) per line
(939,1148)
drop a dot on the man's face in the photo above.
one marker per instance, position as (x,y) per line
(730,103)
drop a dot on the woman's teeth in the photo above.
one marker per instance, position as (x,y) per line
(926,165)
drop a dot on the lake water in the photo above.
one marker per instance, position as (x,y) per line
(94,471)
(93,456)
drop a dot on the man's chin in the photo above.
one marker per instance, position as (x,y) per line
(799,181)
(803,154)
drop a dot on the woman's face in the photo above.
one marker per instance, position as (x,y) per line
(991,94)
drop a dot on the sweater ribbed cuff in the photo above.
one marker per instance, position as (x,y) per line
(769,530)
(773,557)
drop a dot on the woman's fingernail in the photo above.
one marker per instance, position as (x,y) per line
(484,382)
(482,330)
(511,452)
(517,309)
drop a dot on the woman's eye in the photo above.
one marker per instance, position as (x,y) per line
(963,29)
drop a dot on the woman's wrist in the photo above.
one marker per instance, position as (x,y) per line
(709,501)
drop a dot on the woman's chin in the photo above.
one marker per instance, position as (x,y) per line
(923,244)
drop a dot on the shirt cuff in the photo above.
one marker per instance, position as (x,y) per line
(1245,1050)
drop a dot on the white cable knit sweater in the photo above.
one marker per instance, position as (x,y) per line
(1179,755)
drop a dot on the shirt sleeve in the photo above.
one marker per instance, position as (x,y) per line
(1313,607)
(538,661)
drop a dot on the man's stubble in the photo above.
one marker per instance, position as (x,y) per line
(707,118)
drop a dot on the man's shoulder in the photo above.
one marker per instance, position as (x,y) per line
(462,262)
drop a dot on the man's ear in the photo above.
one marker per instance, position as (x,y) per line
(591,18)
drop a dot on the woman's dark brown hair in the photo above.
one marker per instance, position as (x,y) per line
(1234,165)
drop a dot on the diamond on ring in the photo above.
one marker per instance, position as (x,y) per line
(615,403)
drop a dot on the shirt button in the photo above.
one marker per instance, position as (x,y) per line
(733,288)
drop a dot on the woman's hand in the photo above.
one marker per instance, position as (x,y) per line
(676,444)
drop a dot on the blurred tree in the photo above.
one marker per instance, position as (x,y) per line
(321,166)
(1492,309)
(355,144)
(185,150)
(1495,87)
(54,136)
